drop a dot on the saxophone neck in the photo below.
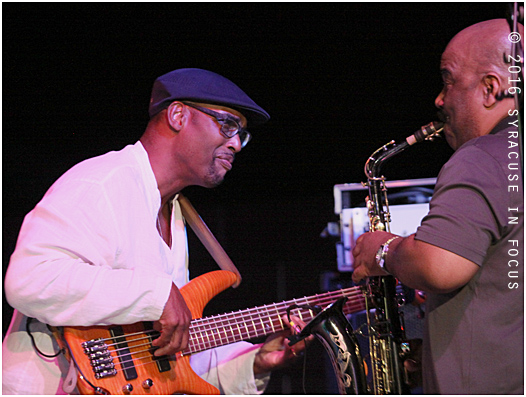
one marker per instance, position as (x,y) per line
(380,156)
(375,161)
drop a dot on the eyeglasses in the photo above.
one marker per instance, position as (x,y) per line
(229,126)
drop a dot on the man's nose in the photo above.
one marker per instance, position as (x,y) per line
(439,100)
(234,143)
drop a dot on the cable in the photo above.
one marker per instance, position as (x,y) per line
(316,309)
(28,330)
(29,320)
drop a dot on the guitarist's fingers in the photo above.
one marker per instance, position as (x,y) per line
(173,345)
(172,339)
(174,325)
(296,325)
(163,341)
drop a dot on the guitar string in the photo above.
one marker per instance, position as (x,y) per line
(227,321)
(320,297)
(199,344)
(255,315)
(145,359)
(256,328)
(256,311)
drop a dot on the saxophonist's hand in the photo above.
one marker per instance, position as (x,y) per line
(364,254)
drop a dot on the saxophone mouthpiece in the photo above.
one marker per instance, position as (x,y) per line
(427,132)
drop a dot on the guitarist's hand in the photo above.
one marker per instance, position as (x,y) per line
(276,352)
(174,325)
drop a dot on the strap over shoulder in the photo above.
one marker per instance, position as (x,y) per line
(207,238)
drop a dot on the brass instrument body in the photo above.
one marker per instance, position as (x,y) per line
(336,335)
(387,345)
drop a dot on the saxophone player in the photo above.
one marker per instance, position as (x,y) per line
(467,254)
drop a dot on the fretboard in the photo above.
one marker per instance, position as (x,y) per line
(209,332)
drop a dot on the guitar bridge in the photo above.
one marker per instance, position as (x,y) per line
(100,358)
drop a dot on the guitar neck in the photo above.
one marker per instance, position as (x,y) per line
(223,329)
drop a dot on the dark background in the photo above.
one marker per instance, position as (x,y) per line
(338,79)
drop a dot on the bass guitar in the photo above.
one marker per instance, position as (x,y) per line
(120,360)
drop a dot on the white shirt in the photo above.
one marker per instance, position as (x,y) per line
(89,254)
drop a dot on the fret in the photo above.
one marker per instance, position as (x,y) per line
(299,311)
(232,332)
(246,324)
(310,314)
(270,320)
(203,342)
(239,331)
(219,333)
(262,324)
(300,301)
(231,322)
(246,327)
(262,330)
(203,339)
(259,322)
(209,333)
(282,326)
(227,329)
(268,317)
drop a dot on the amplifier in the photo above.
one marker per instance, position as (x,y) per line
(408,204)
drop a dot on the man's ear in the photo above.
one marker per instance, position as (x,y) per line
(492,87)
(175,115)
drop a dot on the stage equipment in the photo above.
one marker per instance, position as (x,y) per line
(409,203)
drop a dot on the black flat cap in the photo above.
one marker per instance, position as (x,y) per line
(200,85)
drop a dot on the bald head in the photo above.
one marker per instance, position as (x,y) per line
(475,73)
(484,47)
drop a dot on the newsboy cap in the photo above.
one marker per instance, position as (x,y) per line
(200,85)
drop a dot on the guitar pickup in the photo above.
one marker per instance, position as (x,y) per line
(163,363)
(124,354)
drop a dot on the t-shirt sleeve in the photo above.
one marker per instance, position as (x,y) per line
(466,213)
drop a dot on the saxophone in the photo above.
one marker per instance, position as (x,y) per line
(387,343)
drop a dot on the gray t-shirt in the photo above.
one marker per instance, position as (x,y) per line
(474,340)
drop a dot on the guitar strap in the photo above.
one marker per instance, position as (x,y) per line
(70,382)
(207,238)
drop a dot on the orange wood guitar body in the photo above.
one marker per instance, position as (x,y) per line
(180,378)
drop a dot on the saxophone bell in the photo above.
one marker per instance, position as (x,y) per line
(336,335)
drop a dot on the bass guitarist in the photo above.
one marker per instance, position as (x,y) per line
(107,243)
